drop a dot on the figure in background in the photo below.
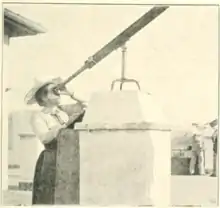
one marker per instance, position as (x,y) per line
(47,125)
(214,125)
(197,152)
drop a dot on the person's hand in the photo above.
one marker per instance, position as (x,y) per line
(60,129)
(61,89)
(55,131)
(74,117)
(65,92)
(63,126)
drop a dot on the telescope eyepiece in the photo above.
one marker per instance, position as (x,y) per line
(56,91)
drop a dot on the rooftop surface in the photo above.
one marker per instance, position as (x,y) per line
(185,190)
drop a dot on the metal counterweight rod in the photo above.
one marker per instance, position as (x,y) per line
(124,49)
(119,40)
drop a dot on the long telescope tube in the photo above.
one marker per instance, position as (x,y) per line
(119,40)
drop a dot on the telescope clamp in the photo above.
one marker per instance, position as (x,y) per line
(123,80)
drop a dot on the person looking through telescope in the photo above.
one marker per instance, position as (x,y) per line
(47,124)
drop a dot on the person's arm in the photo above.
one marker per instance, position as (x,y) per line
(203,145)
(73,109)
(41,130)
(84,104)
(214,136)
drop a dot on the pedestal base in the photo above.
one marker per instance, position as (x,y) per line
(121,168)
(67,176)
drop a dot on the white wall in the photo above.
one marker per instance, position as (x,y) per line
(4,147)
(25,147)
(30,147)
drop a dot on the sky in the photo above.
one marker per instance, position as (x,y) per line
(175,57)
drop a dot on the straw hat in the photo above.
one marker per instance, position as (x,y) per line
(39,83)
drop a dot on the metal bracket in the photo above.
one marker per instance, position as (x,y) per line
(90,62)
(123,80)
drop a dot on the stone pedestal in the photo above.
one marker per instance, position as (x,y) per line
(30,148)
(67,175)
(124,151)
(4,115)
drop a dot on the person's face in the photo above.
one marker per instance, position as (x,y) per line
(50,98)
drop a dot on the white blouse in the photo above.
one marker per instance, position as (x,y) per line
(45,125)
(198,143)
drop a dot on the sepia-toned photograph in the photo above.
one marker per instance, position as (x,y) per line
(109,104)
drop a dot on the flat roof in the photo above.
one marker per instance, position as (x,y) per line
(16,25)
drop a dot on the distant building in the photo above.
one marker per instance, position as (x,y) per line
(15,26)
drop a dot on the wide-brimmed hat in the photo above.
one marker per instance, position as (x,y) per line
(29,98)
